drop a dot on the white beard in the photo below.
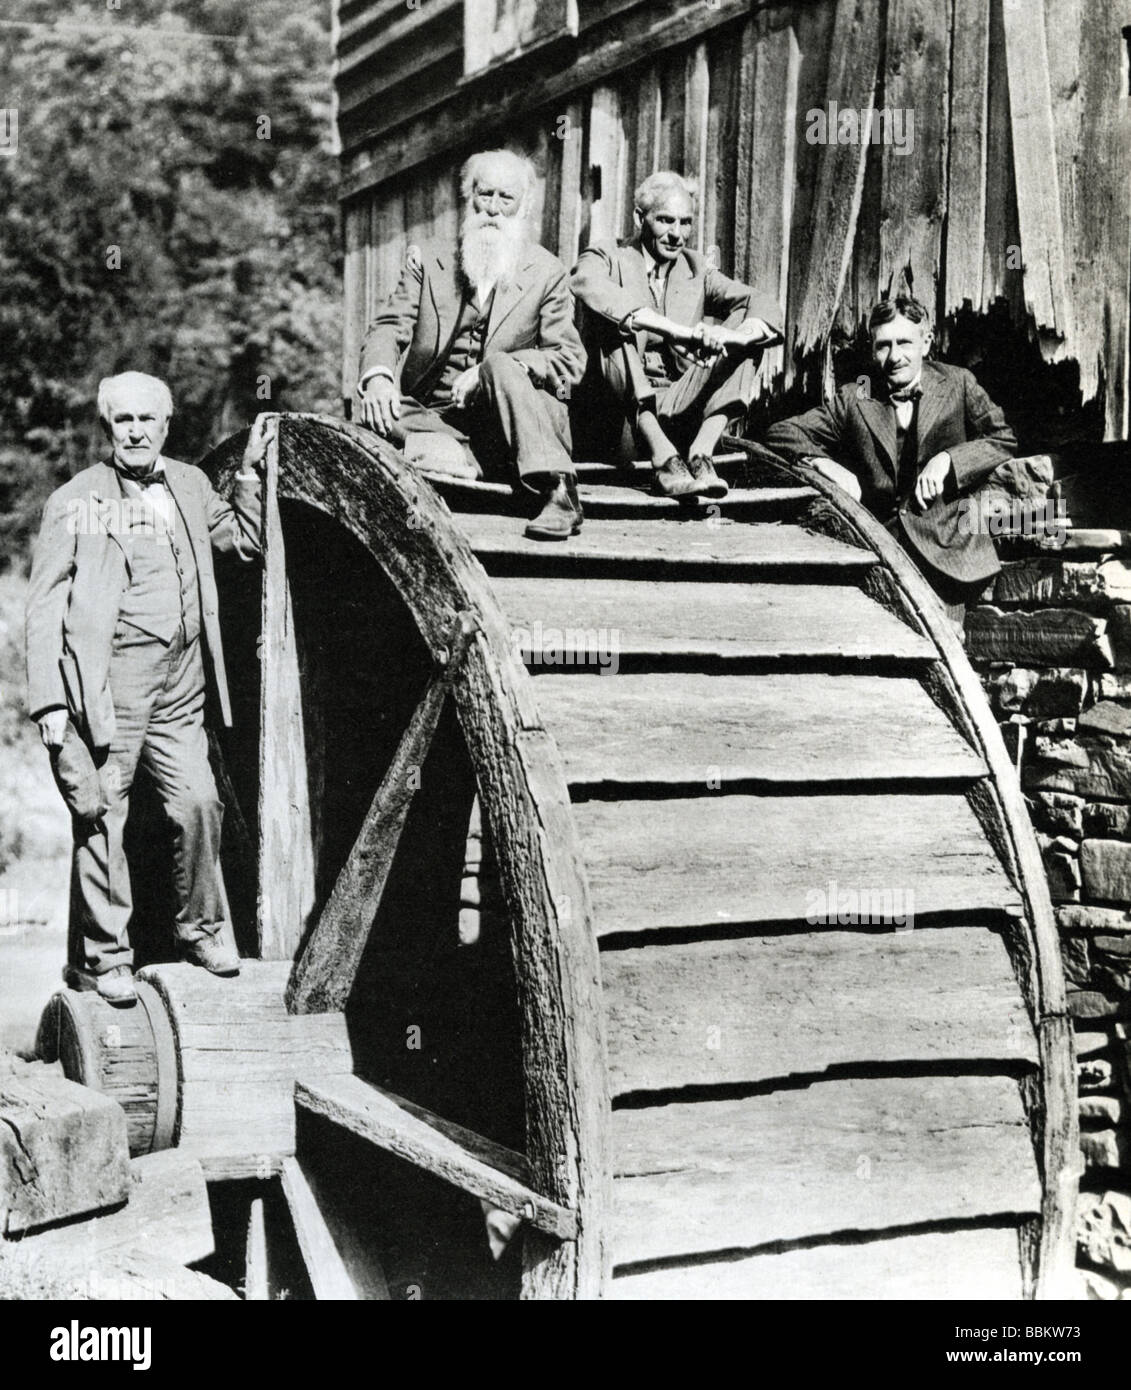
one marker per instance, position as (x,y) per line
(490,254)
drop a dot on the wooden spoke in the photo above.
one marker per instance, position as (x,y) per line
(286,836)
(459,1156)
(332,1255)
(324,974)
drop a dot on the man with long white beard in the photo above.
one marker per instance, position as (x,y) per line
(476,350)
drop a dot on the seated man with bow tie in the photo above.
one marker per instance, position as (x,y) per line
(476,347)
(123,647)
(911,444)
(676,380)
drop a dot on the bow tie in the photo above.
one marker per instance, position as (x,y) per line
(152,475)
(909,393)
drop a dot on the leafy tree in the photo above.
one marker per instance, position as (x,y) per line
(171,208)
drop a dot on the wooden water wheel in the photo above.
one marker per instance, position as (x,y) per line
(763,995)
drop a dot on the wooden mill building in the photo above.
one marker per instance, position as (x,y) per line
(996,184)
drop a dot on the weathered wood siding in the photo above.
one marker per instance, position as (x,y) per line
(1012,203)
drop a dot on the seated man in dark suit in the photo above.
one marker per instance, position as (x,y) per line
(910,445)
(477,347)
(676,379)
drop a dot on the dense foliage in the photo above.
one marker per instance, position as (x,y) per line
(194,136)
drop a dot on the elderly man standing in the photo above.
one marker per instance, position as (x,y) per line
(677,380)
(477,347)
(123,645)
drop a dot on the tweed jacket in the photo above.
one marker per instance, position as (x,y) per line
(81,567)
(531,319)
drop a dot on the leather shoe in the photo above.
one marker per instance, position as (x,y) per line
(561,513)
(116,986)
(673,479)
(213,954)
(707,481)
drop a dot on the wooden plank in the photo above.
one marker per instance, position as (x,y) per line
(673,98)
(454,119)
(323,976)
(913,185)
(666,617)
(1036,181)
(1092,127)
(607,161)
(646,144)
(255,1284)
(569,198)
(603,500)
(764,856)
(1002,274)
(772,162)
(835,1157)
(759,1009)
(981,1263)
(286,887)
(344,1259)
(710,731)
(355,217)
(819,276)
(63,1150)
(754,547)
(722,151)
(325,1268)
(447,1150)
(166,1213)
(698,159)
(966,167)
(118,1276)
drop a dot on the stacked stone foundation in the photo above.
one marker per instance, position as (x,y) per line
(1051,640)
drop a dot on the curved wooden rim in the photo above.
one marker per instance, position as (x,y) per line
(408,530)
(166,1111)
(1061,1163)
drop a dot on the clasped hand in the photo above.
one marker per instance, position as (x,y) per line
(931,483)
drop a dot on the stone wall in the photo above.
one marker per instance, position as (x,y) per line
(1051,640)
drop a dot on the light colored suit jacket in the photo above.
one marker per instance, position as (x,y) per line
(531,320)
(858,430)
(80,568)
(610,282)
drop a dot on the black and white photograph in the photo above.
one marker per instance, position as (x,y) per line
(565,663)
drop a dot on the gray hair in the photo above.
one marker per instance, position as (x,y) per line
(135,381)
(656,187)
(470,172)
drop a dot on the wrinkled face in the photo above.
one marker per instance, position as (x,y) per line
(497,192)
(137,428)
(666,229)
(898,349)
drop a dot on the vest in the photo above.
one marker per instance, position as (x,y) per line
(163,590)
(464,350)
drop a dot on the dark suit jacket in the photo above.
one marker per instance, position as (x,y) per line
(531,320)
(80,569)
(858,430)
(610,282)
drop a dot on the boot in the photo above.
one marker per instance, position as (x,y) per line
(561,514)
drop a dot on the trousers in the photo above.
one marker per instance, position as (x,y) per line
(510,419)
(158,693)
